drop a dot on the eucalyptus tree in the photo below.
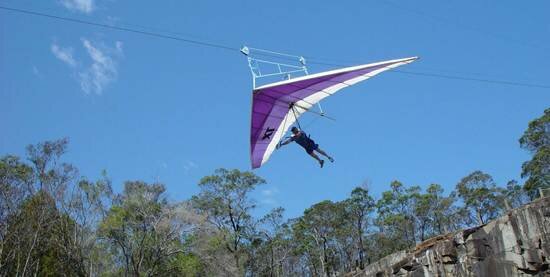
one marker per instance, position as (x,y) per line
(308,256)
(443,212)
(515,195)
(359,206)
(396,218)
(480,196)
(15,178)
(147,233)
(323,233)
(536,140)
(271,246)
(225,200)
(38,216)
(434,213)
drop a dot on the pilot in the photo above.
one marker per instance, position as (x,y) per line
(307,143)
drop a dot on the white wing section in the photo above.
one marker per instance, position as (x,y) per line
(304,104)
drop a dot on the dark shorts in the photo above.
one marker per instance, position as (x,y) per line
(311,147)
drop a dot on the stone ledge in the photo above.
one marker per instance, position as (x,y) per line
(516,244)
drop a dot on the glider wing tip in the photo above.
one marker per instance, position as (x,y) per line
(255,165)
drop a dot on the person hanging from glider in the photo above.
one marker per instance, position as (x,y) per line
(307,143)
(277,104)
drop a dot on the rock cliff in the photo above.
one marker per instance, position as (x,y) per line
(516,244)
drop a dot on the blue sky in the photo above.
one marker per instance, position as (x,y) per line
(161,110)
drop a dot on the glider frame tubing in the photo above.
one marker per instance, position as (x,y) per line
(291,107)
(284,65)
(280,64)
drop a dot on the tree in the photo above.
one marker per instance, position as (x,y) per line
(536,140)
(479,193)
(323,237)
(434,213)
(32,233)
(225,200)
(15,178)
(270,247)
(52,175)
(87,205)
(396,217)
(424,214)
(359,206)
(514,195)
(441,210)
(37,222)
(146,232)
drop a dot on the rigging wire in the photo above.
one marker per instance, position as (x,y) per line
(311,122)
(501,82)
(311,60)
(314,60)
(284,127)
(125,29)
(296,117)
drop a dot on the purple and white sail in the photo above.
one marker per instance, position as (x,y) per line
(272,112)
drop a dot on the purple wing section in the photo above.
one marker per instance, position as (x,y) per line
(271,103)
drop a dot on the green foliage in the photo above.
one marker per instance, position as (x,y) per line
(224,198)
(359,207)
(145,231)
(33,236)
(14,174)
(537,136)
(442,213)
(55,223)
(480,195)
(39,234)
(15,180)
(514,195)
(186,264)
(396,214)
(536,139)
(324,232)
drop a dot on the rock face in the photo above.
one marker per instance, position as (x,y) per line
(516,244)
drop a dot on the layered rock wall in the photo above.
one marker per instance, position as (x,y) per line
(516,244)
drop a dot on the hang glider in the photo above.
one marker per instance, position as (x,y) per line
(277,106)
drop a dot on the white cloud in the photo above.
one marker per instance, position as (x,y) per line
(103,69)
(269,201)
(270,192)
(83,6)
(64,54)
(268,196)
(188,166)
